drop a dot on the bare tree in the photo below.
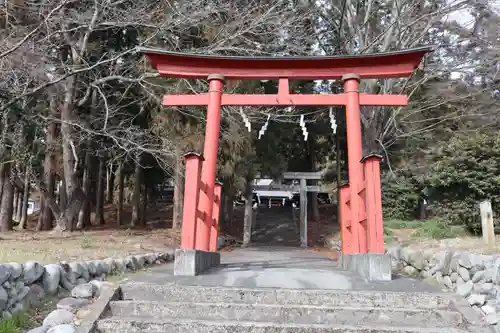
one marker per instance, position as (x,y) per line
(81,58)
(121,177)
(110,182)
(136,197)
(247,224)
(49,167)
(371,27)
(178,180)
(84,216)
(6,206)
(101,179)
(26,193)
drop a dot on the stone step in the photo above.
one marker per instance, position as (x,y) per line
(140,325)
(336,298)
(304,314)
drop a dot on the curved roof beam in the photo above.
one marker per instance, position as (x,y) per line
(368,66)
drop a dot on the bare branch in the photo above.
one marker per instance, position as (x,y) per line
(34,31)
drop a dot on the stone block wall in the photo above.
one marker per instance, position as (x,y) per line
(25,285)
(475,277)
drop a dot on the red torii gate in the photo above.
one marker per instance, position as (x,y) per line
(361,205)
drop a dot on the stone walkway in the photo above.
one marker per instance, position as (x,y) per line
(280,267)
(275,260)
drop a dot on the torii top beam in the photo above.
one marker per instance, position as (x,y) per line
(367,66)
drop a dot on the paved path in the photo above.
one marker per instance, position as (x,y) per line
(280,267)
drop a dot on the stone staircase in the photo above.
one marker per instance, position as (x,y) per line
(175,308)
(276,226)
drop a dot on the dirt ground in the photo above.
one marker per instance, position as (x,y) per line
(326,227)
(109,240)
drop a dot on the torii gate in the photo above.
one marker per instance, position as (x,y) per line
(361,206)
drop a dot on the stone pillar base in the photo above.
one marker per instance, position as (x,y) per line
(371,266)
(194,262)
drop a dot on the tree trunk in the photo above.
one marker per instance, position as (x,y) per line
(370,136)
(2,178)
(110,184)
(24,211)
(177,216)
(50,181)
(94,175)
(15,203)
(228,212)
(222,213)
(314,205)
(39,224)
(67,137)
(7,203)
(63,194)
(101,178)
(303,213)
(46,218)
(65,217)
(69,162)
(313,196)
(247,224)
(144,205)
(121,176)
(136,197)
(84,215)
(19,211)
(75,204)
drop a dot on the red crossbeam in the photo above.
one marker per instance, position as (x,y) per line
(285,100)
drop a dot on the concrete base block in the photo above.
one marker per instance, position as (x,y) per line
(371,266)
(194,262)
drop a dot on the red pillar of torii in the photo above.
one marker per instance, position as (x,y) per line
(361,204)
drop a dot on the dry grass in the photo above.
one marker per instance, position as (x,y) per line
(109,240)
(464,243)
(46,247)
(433,234)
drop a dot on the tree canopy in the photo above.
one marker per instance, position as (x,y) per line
(79,102)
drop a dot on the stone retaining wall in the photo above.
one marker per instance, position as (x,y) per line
(475,277)
(25,285)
